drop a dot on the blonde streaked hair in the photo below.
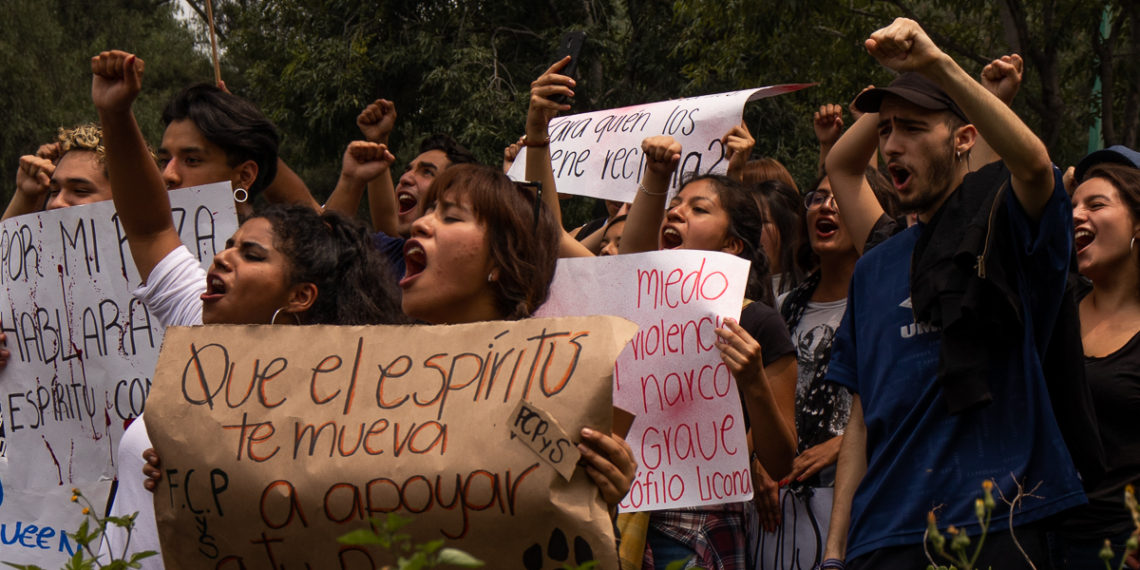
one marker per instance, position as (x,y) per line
(84,137)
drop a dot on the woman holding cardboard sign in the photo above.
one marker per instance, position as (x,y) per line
(286,264)
(485,250)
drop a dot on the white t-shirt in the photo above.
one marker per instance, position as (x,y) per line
(812,335)
(173,297)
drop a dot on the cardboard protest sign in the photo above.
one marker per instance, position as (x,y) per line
(82,352)
(598,154)
(277,440)
(688,436)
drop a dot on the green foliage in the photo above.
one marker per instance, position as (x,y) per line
(87,540)
(46,46)
(464,66)
(386,534)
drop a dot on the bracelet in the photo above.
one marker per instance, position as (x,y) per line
(832,564)
(527,142)
(641,188)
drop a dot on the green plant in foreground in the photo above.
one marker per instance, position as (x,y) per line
(959,542)
(385,533)
(1130,546)
(88,538)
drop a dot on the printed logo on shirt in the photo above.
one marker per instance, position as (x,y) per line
(915,328)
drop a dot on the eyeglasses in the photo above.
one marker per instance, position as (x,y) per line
(536,187)
(816,198)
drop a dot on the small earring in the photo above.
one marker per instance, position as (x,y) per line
(273,319)
(958,155)
(1132,244)
(240,195)
(491,277)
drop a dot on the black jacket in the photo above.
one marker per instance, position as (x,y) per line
(960,283)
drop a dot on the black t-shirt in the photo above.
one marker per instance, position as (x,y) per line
(1115,384)
(766,326)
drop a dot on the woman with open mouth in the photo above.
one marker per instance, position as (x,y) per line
(287,264)
(717,213)
(1106,229)
(813,311)
(485,249)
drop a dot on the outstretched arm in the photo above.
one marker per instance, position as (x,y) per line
(288,188)
(846,164)
(363,162)
(1002,77)
(376,122)
(828,125)
(904,46)
(139,193)
(33,180)
(662,154)
(738,143)
(542,109)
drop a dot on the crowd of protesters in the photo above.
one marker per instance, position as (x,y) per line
(942,307)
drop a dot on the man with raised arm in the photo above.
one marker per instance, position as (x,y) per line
(947,321)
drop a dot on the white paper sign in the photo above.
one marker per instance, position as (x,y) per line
(598,154)
(688,437)
(82,354)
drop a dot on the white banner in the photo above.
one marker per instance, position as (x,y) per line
(598,154)
(82,354)
(688,436)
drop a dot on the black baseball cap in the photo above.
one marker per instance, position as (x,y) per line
(912,87)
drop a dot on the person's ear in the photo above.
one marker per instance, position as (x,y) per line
(302,296)
(245,175)
(733,245)
(965,137)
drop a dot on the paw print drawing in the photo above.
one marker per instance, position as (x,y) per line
(558,551)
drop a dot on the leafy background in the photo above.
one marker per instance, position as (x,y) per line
(464,66)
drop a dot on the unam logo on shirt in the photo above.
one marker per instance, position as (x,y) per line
(915,328)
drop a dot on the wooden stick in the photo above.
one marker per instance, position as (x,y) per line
(214,43)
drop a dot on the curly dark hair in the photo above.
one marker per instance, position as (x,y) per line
(525,252)
(746,223)
(354,283)
(232,123)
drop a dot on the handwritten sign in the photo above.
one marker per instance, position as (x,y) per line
(688,437)
(598,154)
(542,433)
(276,440)
(82,352)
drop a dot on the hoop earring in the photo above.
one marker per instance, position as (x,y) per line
(240,195)
(273,319)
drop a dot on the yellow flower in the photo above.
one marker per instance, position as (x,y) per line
(86,511)
(1106,551)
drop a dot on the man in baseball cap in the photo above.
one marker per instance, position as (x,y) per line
(947,394)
